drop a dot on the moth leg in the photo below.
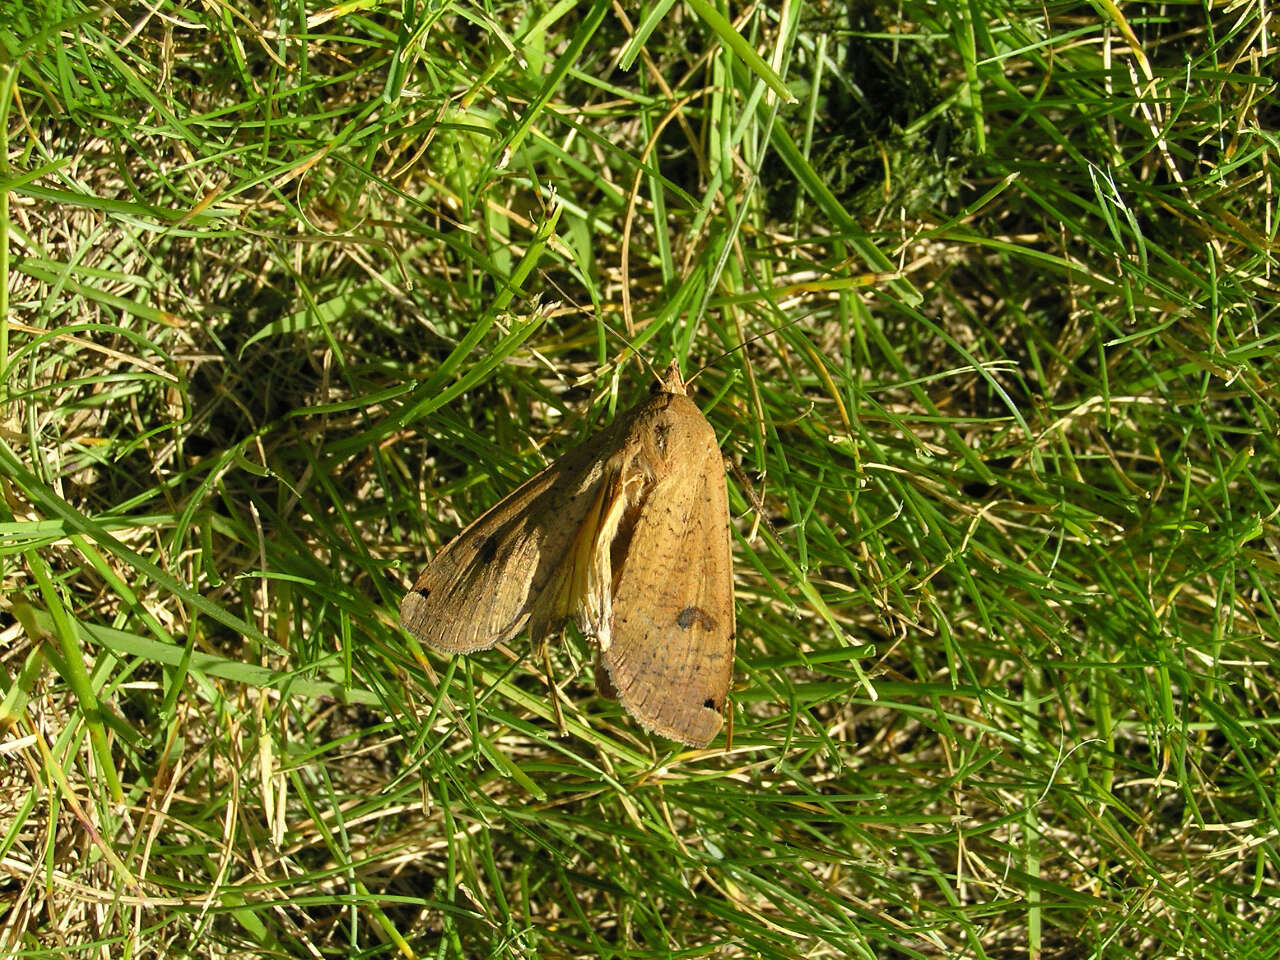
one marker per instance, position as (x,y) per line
(553,688)
(757,500)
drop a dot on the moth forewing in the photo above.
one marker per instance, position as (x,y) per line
(628,534)
(483,587)
(670,650)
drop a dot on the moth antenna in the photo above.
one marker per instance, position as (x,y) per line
(647,365)
(635,352)
(745,343)
(638,355)
(861,280)
(658,378)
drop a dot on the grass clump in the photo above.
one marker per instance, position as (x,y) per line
(292,294)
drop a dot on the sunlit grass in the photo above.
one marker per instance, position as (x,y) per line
(291,300)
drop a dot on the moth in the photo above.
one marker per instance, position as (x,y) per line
(626,534)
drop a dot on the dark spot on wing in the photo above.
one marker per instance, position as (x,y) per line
(488,550)
(423,592)
(695,615)
(710,704)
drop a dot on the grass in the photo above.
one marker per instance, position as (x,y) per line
(989,302)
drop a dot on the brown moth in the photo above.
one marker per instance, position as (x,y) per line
(628,535)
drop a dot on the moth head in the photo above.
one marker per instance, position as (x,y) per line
(672,381)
